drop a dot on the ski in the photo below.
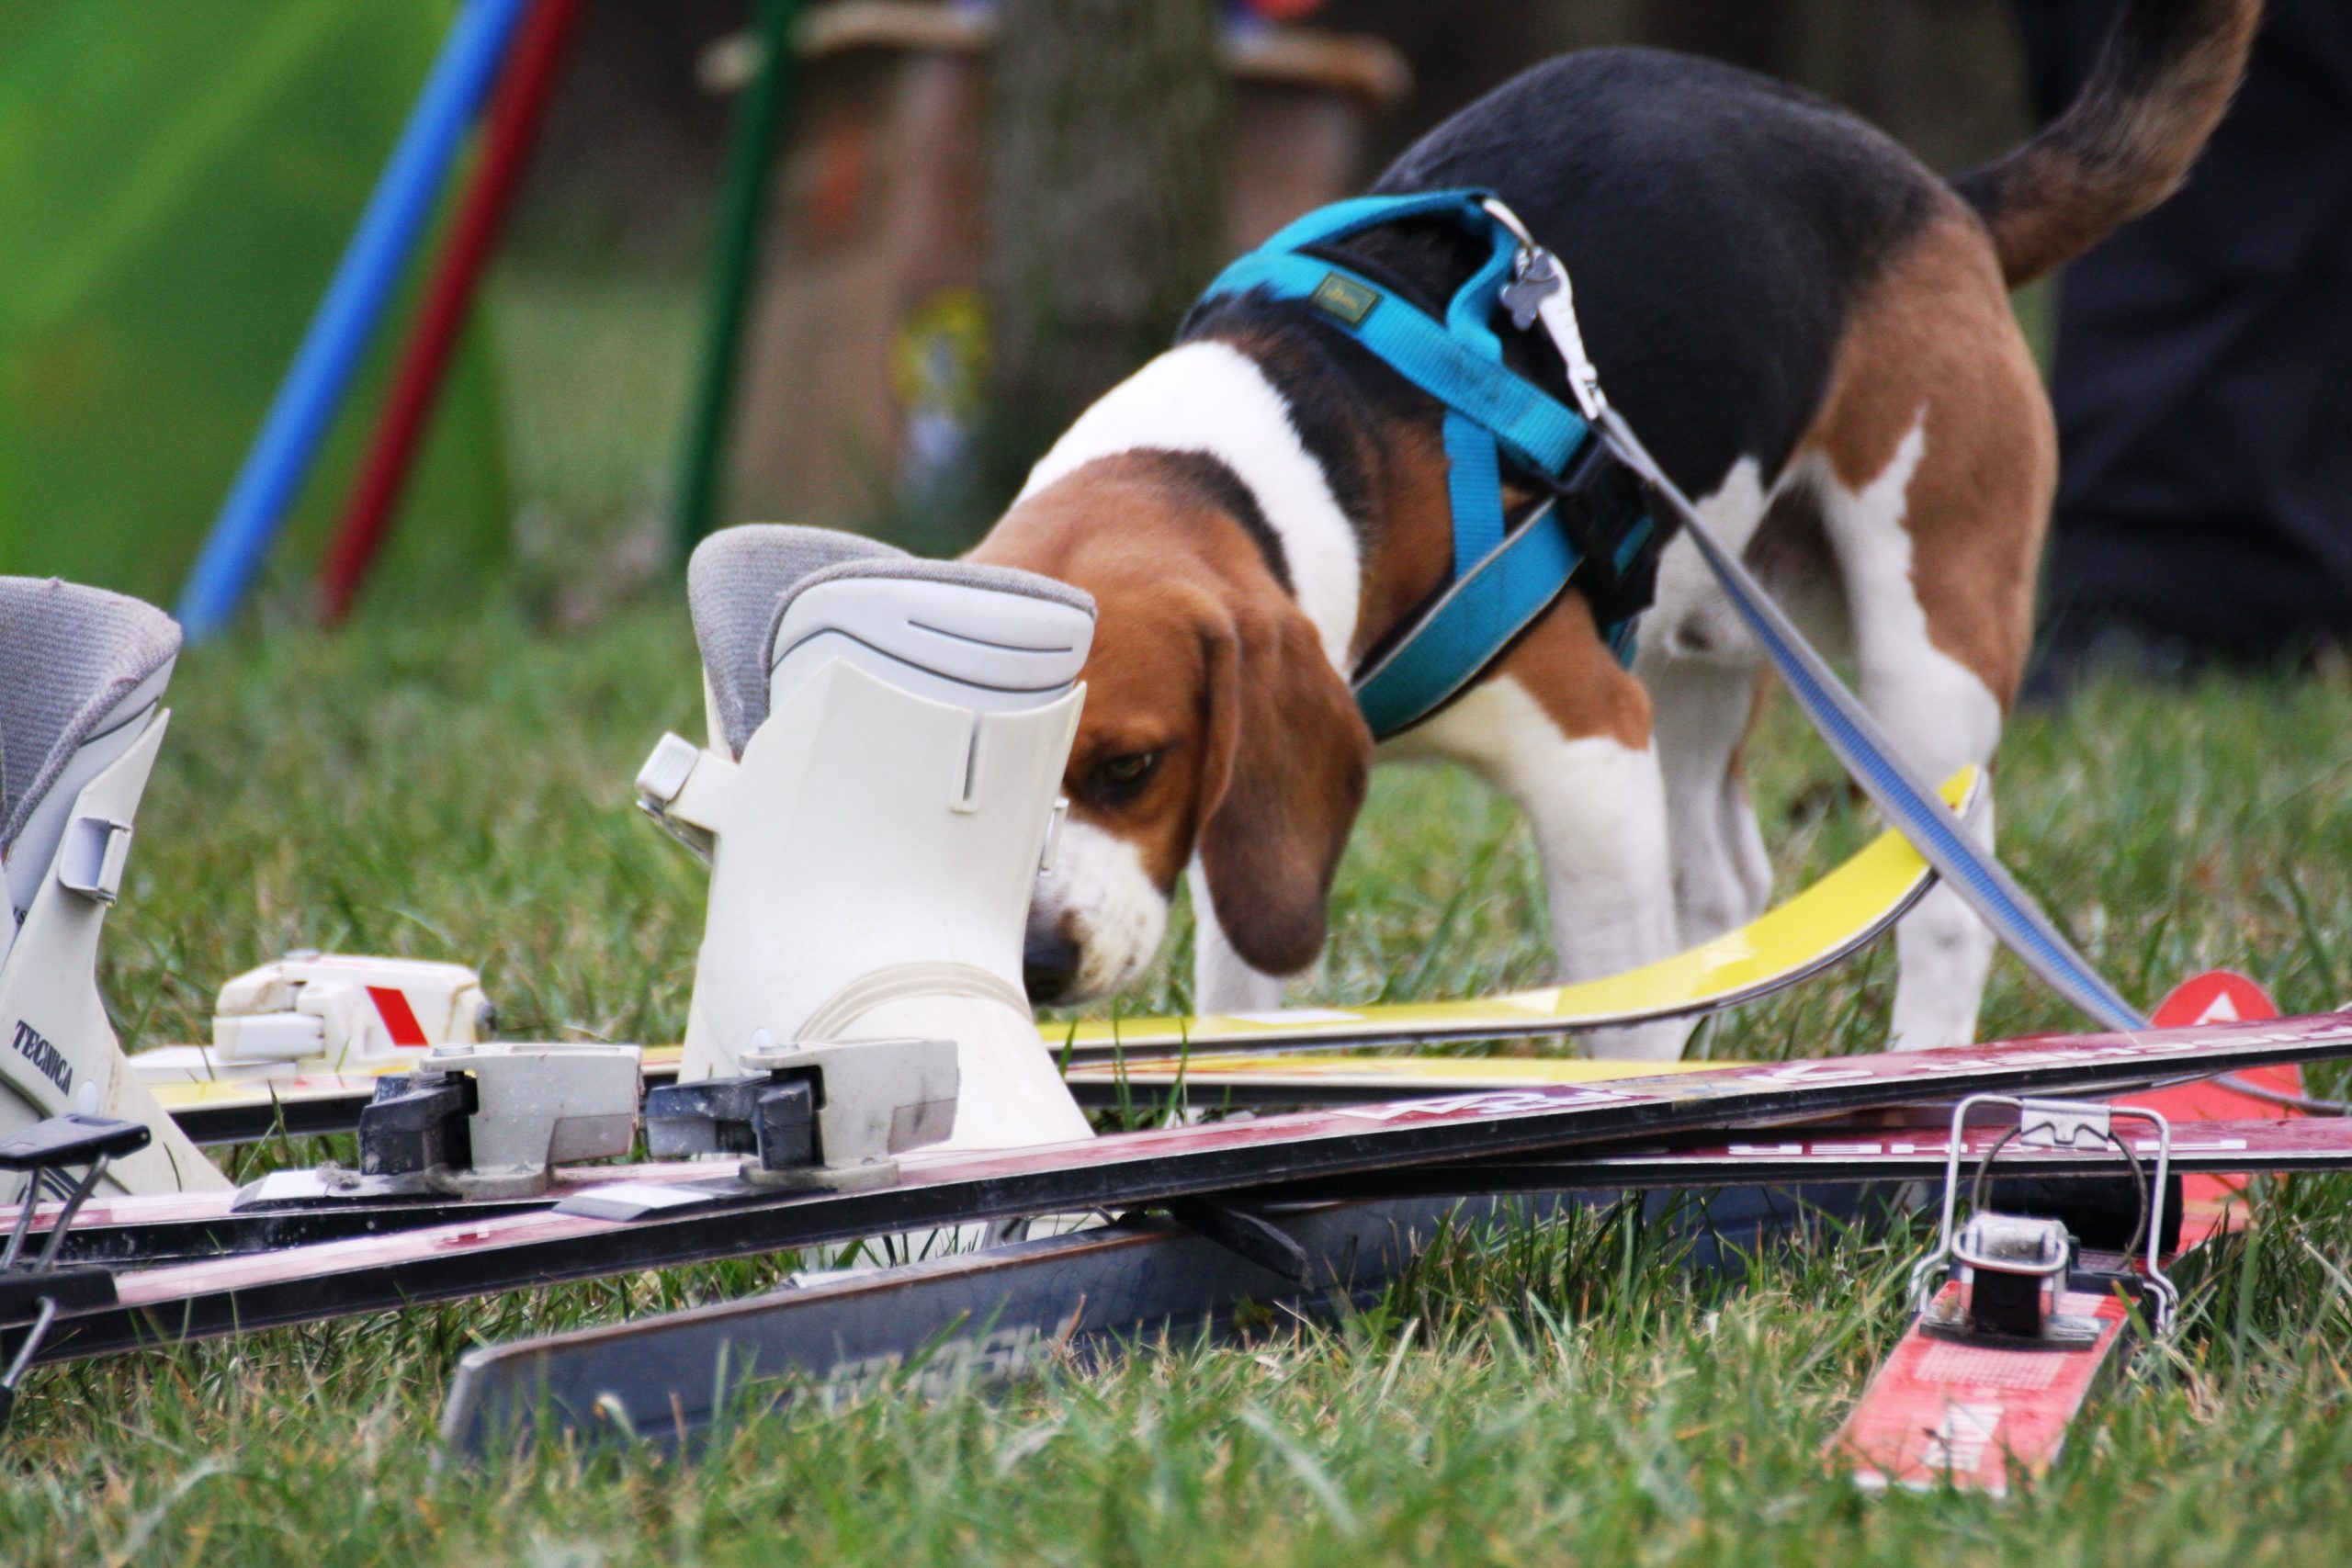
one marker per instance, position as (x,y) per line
(1256,1082)
(1836,1155)
(1943,1413)
(146,1232)
(626,1227)
(1012,1311)
(1999,1360)
(225,1102)
(1236,1081)
(1842,912)
(996,1315)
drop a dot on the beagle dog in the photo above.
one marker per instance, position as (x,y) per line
(1812,333)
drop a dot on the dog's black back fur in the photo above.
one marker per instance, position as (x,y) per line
(1716,224)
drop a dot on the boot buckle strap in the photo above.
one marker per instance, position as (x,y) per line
(90,861)
(671,788)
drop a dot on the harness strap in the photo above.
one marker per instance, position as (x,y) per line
(1497,590)
(1501,583)
(1483,609)
(1534,427)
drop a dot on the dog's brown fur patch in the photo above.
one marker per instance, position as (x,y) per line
(1564,664)
(1213,668)
(1935,335)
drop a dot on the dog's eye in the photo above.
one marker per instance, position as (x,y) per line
(1129,771)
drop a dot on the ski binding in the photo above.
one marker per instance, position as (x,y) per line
(44,1152)
(2014,1271)
(488,1120)
(831,1114)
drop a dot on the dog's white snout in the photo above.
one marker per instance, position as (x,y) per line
(1096,916)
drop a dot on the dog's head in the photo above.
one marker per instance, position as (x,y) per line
(1214,726)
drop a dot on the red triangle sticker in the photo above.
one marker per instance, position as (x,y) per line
(2219,996)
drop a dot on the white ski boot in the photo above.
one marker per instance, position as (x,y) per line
(887,744)
(81,678)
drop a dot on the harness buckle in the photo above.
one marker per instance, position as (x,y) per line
(1596,491)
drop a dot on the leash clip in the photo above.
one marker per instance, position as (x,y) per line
(1535,277)
(1540,291)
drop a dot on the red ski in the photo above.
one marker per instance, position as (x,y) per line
(1962,1404)
(1944,1413)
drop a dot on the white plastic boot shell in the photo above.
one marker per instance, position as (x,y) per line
(80,738)
(874,843)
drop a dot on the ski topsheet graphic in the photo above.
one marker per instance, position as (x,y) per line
(627,1226)
(1813,930)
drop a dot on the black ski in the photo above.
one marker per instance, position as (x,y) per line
(1010,1310)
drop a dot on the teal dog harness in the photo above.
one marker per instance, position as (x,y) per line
(1503,577)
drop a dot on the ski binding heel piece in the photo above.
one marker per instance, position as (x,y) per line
(311,1011)
(834,1114)
(491,1122)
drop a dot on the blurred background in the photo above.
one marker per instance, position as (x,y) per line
(859,279)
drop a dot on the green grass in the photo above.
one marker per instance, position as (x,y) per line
(461,790)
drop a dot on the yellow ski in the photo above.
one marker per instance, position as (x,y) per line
(1821,925)
(1818,927)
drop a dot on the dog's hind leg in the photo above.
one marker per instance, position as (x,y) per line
(1941,714)
(1704,674)
(1721,876)
(1933,464)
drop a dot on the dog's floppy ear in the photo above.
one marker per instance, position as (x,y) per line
(1280,784)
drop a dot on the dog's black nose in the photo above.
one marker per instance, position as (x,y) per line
(1049,966)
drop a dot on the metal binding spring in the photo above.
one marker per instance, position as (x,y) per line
(44,1263)
(2060,1123)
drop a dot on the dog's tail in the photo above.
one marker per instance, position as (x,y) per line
(2155,93)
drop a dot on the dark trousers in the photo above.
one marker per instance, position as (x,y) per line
(2204,369)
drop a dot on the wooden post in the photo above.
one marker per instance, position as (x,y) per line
(1107,140)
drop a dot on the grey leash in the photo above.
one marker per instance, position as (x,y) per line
(1541,291)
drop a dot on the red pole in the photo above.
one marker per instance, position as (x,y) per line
(515,111)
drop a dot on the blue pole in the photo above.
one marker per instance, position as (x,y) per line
(314,385)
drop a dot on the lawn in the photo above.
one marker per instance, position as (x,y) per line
(446,787)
